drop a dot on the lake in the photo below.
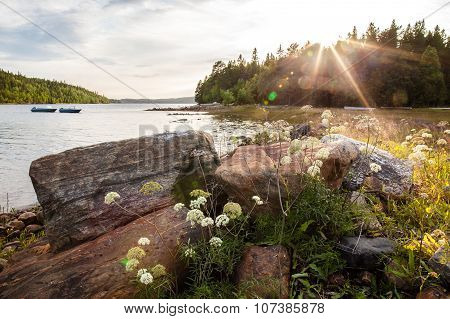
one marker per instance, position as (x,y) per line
(26,136)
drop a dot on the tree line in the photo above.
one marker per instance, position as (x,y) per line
(393,67)
(18,89)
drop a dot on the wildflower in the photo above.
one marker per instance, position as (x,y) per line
(327,114)
(294,147)
(189,253)
(131,264)
(317,163)
(423,195)
(404,144)
(198,203)
(417,157)
(194,216)
(306,107)
(144,241)
(141,272)
(442,124)
(375,167)
(441,142)
(323,153)
(325,122)
(257,200)
(135,253)
(232,210)
(313,171)
(447,132)
(285,160)
(146,278)
(158,271)
(198,193)
(222,220)
(408,138)
(310,143)
(111,197)
(208,221)
(427,135)
(150,188)
(421,148)
(178,207)
(215,242)
(338,129)
(433,274)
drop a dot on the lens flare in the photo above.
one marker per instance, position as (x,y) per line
(272,96)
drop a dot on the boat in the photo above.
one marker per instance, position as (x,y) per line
(43,109)
(69,110)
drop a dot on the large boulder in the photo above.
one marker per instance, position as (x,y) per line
(71,185)
(93,269)
(252,170)
(393,180)
(264,272)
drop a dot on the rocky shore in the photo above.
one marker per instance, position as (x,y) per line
(78,257)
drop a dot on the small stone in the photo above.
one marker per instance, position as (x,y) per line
(33,228)
(400,282)
(14,244)
(5,217)
(3,263)
(40,216)
(28,218)
(365,278)
(364,252)
(14,234)
(440,263)
(300,130)
(336,279)
(436,292)
(372,224)
(16,224)
(358,199)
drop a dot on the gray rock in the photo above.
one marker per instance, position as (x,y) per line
(3,263)
(34,228)
(300,130)
(28,218)
(440,263)
(71,185)
(16,224)
(364,252)
(394,179)
(358,199)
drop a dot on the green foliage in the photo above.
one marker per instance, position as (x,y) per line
(413,70)
(18,89)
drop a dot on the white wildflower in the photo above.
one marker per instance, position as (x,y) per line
(417,157)
(317,163)
(111,197)
(408,138)
(178,207)
(404,144)
(146,278)
(327,114)
(232,210)
(198,203)
(285,160)
(144,241)
(367,149)
(131,264)
(310,143)
(189,253)
(413,130)
(325,122)
(257,200)
(295,146)
(427,135)
(194,216)
(441,142)
(423,195)
(313,171)
(421,148)
(375,167)
(447,132)
(222,220)
(215,242)
(208,221)
(323,153)
(141,272)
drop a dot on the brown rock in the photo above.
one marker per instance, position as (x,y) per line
(16,224)
(14,234)
(401,282)
(3,263)
(336,279)
(8,250)
(365,278)
(14,244)
(264,272)
(252,170)
(71,185)
(34,228)
(92,269)
(3,231)
(5,217)
(28,218)
(436,292)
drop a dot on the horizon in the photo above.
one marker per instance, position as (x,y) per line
(169,63)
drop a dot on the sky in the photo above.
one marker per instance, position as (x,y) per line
(162,48)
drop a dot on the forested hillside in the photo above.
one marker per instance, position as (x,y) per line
(18,89)
(397,66)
